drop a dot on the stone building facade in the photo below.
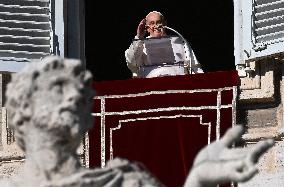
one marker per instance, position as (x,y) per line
(260,109)
(259,61)
(258,31)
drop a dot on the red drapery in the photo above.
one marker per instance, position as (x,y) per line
(161,122)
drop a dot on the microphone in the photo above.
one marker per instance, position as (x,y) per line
(159,27)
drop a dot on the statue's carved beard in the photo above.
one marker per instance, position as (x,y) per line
(59,124)
(68,122)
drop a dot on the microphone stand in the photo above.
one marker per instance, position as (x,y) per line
(186,47)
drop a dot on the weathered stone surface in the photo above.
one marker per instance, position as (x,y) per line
(261,110)
(271,167)
(11,157)
(262,118)
(10,168)
(260,86)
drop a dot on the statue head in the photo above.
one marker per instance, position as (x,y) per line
(50,101)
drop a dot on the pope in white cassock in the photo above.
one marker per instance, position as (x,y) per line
(158,54)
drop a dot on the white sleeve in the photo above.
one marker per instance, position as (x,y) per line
(135,56)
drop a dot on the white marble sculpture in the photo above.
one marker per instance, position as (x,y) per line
(49,107)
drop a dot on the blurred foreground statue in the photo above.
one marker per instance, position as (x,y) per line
(49,107)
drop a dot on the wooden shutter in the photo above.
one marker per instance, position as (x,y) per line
(268,21)
(261,28)
(25,32)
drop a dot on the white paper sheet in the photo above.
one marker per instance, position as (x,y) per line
(164,50)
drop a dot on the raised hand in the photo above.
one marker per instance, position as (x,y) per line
(219,163)
(141,29)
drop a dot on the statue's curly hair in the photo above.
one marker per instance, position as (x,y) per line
(25,83)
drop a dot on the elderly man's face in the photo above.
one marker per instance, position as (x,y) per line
(153,20)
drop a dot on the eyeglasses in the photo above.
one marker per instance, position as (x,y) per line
(153,23)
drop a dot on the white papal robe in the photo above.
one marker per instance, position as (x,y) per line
(138,62)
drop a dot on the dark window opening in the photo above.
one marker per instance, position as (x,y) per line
(208,26)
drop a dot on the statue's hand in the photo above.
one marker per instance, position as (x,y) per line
(219,163)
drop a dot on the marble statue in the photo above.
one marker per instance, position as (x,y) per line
(49,107)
